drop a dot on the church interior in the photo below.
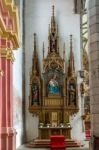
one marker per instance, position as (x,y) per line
(49,74)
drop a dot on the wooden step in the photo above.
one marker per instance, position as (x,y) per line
(45,143)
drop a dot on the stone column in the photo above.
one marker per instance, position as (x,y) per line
(7,132)
(3,103)
(11,130)
(1,74)
(93,20)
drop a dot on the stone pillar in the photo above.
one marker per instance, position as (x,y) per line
(3,103)
(93,20)
(11,130)
(7,132)
(1,74)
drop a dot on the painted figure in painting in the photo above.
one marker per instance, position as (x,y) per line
(35,94)
(53,85)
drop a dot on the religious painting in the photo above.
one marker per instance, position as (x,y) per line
(35,94)
(53,85)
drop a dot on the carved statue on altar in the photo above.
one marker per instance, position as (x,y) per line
(72,94)
(71,79)
(53,42)
(35,81)
(35,94)
(53,85)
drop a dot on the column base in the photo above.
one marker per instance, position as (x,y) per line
(7,138)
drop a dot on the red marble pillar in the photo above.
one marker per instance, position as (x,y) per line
(0,98)
(11,130)
(8,133)
(9,93)
(3,103)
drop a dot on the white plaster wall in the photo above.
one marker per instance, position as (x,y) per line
(17,96)
(17,85)
(37,18)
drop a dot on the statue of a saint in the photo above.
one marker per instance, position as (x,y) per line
(72,94)
(53,85)
(35,95)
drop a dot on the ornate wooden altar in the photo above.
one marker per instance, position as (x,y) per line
(46,132)
(54,96)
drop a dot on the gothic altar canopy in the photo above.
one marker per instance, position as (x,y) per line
(54,96)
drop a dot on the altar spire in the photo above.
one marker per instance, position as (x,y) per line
(64,51)
(35,53)
(71,67)
(35,67)
(53,35)
(53,23)
(43,50)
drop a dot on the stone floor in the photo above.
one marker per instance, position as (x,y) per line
(24,148)
(86,147)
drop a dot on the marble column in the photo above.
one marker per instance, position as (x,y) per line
(7,132)
(0,96)
(10,129)
(3,103)
(93,20)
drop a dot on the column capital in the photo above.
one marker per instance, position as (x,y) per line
(8,54)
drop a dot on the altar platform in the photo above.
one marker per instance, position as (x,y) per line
(84,147)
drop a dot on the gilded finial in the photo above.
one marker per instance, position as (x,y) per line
(53,17)
(71,59)
(53,23)
(43,50)
(71,48)
(34,36)
(64,51)
(49,28)
(53,35)
(35,66)
(53,10)
(34,41)
(57,28)
(71,41)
